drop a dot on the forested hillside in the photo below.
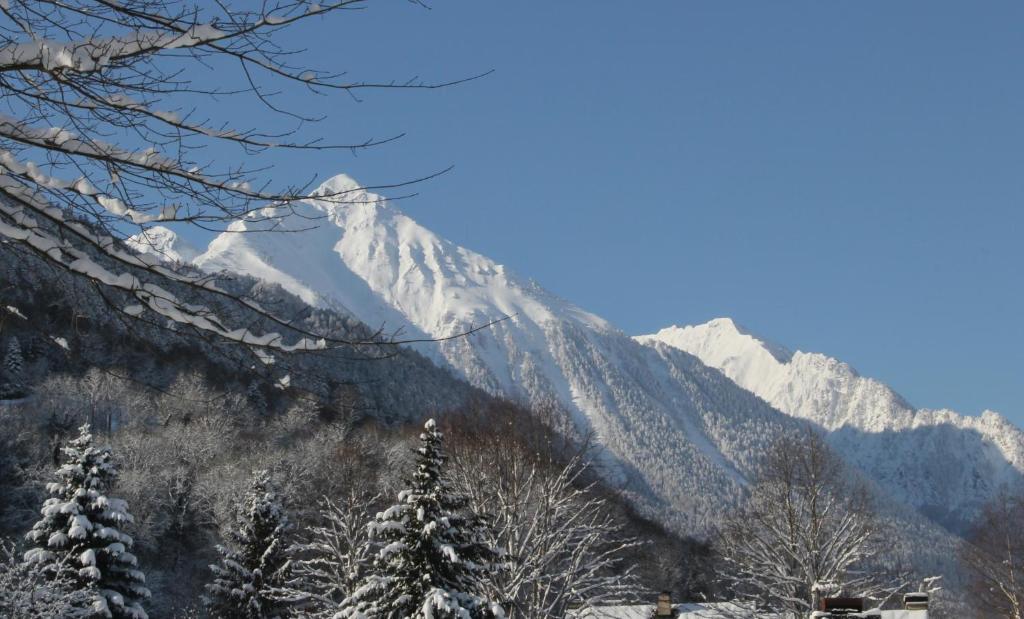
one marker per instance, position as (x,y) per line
(188,420)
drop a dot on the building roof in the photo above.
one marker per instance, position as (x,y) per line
(711,610)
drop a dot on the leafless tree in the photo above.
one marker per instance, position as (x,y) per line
(104,123)
(27,591)
(994,559)
(563,546)
(333,555)
(807,530)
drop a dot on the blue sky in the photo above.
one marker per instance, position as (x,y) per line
(842,177)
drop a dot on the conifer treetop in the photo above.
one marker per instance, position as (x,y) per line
(431,552)
(253,577)
(80,533)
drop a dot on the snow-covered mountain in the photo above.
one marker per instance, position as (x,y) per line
(163,242)
(682,417)
(681,437)
(944,463)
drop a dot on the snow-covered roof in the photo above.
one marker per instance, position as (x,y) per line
(711,610)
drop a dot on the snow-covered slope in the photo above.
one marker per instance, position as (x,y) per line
(680,436)
(944,463)
(163,242)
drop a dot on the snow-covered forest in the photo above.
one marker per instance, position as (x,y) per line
(229,433)
(212,471)
(191,449)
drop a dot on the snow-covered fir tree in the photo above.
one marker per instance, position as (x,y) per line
(80,536)
(12,385)
(432,552)
(253,578)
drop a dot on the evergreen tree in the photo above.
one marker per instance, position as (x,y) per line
(13,380)
(253,577)
(80,537)
(431,555)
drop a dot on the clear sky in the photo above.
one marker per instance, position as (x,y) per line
(840,177)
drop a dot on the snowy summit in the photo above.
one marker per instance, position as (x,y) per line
(164,243)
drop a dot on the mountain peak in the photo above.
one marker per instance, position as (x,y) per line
(164,243)
(724,324)
(726,334)
(342,189)
(724,321)
(337,184)
(384,267)
(781,353)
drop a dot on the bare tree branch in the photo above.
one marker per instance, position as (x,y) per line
(103,121)
(807,531)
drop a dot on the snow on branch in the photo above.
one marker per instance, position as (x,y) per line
(92,55)
(25,229)
(105,120)
(563,547)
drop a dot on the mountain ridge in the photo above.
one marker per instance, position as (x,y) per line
(677,430)
(670,428)
(863,415)
(726,345)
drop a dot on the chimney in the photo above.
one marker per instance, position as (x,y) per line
(664,608)
(843,604)
(915,601)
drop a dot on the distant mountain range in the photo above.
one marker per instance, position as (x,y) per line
(943,463)
(682,415)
